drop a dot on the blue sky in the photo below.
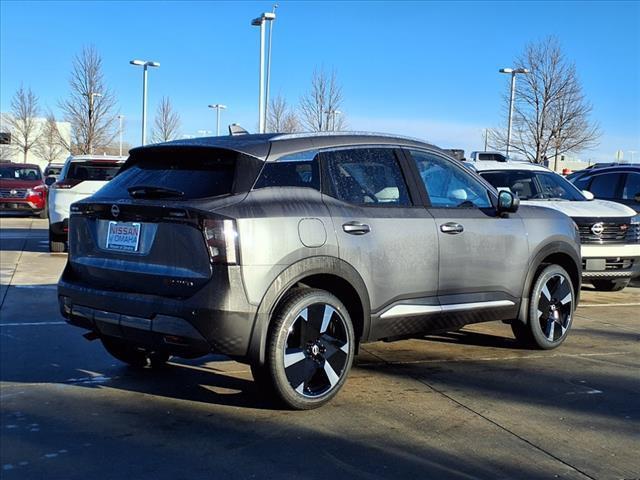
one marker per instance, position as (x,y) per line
(425,69)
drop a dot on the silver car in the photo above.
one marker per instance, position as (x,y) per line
(288,252)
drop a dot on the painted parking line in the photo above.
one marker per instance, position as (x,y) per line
(609,304)
(30,324)
(39,287)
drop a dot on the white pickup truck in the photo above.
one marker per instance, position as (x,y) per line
(609,231)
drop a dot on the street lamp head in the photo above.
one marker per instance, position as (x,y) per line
(513,70)
(218,105)
(256,22)
(144,63)
(93,94)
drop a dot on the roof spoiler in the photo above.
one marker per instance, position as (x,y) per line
(235,130)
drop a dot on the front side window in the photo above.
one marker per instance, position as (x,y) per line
(449,186)
(367,176)
(631,186)
(605,185)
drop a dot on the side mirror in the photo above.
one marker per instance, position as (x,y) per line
(588,195)
(637,197)
(507,202)
(49,181)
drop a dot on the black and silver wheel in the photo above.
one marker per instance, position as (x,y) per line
(610,285)
(551,306)
(311,349)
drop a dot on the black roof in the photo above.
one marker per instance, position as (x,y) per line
(626,167)
(278,144)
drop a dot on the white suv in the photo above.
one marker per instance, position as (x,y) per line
(81,177)
(609,231)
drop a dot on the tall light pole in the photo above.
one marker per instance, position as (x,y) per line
(90,125)
(331,114)
(266,95)
(513,72)
(259,22)
(218,107)
(120,117)
(144,64)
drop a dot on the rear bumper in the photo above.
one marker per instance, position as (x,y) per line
(610,261)
(60,228)
(210,321)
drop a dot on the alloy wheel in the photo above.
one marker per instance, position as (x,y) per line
(555,307)
(316,352)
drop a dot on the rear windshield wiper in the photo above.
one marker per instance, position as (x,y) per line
(148,191)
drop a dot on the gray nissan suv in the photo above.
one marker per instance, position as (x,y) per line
(287,252)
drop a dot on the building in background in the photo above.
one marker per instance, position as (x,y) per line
(10,151)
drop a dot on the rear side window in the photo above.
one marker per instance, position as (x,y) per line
(92,170)
(605,185)
(295,170)
(189,173)
(366,176)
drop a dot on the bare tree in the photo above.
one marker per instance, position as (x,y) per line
(167,122)
(281,118)
(91,105)
(320,106)
(551,113)
(49,146)
(22,120)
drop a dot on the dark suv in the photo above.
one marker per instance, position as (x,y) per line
(289,251)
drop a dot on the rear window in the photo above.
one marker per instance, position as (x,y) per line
(25,173)
(93,170)
(191,173)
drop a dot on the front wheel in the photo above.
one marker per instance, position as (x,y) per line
(610,285)
(311,349)
(551,307)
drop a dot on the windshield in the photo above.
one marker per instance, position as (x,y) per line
(24,173)
(531,185)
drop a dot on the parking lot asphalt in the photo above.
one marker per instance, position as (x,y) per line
(470,404)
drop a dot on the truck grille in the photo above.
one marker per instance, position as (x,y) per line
(13,193)
(608,231)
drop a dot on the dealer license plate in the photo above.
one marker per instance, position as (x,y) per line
(123,236)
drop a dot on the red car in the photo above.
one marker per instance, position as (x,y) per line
(22,189)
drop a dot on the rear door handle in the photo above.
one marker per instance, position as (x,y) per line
(451,228)
(356,228)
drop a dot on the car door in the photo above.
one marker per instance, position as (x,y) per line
(483,257)
(385,233)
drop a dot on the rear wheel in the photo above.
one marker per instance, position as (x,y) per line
(551,306)
(43,213)
(610,285)
(310,350)
(57,243)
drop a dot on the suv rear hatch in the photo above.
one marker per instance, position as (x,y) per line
(153,229)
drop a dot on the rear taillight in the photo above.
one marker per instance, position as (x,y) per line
(221,237)
(65,184)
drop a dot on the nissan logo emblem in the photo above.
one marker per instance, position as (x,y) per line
(115,211)
(597,228)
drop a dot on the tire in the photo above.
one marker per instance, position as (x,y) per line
(310,349)
(610,285)
(125,352)
(57,244)
(551,306)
